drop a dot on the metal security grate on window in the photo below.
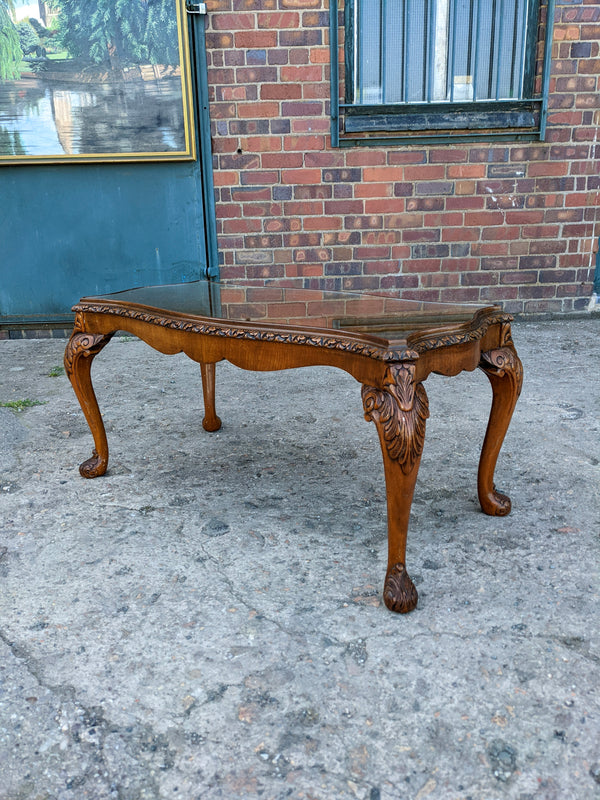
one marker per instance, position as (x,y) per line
(436,51)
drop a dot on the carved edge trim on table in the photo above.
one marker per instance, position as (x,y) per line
(431,341)
(477,330)
(234,332)
(401,409)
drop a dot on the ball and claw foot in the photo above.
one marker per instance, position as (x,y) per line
(211,424)
(495,504)
(399,593)
(93,467)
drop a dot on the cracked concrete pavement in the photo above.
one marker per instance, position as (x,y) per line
(205,621)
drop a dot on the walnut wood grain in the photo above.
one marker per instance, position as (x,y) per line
(211,421)
(391,372)
(505,372)
(79,354)
(399,410)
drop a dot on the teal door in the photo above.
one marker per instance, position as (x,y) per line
(69,230)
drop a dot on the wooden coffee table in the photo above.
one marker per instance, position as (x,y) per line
(388,344)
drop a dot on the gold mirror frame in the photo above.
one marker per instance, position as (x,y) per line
(88,113)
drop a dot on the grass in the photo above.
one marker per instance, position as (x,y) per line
(19,405)
(55,372)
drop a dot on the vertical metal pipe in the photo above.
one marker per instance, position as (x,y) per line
(513,57)
(333,72)
(405,49)
(547,65)
(425,50)
(492,51)
(475,71)
(500,59)
(383,38)
(452,54)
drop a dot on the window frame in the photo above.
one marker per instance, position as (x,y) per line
(355,124)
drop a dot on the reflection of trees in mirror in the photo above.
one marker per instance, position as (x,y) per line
(10,50)
(119,32)
(11,143)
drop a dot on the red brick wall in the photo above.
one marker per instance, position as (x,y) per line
(502,222)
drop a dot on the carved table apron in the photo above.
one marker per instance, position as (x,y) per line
(389,355)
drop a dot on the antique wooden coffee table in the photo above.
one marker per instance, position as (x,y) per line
(388,344)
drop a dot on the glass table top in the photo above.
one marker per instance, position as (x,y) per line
(288,303)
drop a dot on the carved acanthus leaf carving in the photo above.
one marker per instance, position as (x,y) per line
(399,410)
(504,362)
(84,344)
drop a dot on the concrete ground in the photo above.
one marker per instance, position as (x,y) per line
(205,621)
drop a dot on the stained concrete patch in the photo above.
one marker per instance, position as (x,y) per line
(205,621)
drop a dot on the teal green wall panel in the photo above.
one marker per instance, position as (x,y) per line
(71,230)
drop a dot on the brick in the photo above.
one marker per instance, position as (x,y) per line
(381,174)
(302,74)
(309,176)
(262,109)
(434,188)
(250,225)
(408,157)
(269,241)
(260,176)
(415,235)
(233,22)
(479,279)
(540,231)
(430,251)
(300,38)
(278,20)
(466,171)
(373,190)
(261,144)
(439,279)
(322,223)
(296,240)
(317,191)
(427,172)
(344,207)
(281,160)
(425,204)
(255,39)
(442,219)
(256,75)
(280,91)
(503,232)
(299,56)
(393,221)
(363,222)
(304,208)
(386,205)
(251,193)
(462,234)
(304,143)
(518,277)
(547,168)
(247,127)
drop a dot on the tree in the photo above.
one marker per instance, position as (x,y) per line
(119,31)
(10,50)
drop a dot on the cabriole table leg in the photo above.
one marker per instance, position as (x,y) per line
(399,410)
(211,421)
(505,372)
(79,354)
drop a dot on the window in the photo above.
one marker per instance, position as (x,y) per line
(440,69)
